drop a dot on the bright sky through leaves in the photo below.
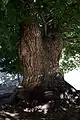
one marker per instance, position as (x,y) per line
(73,78)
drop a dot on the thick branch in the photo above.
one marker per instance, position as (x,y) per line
(45,24)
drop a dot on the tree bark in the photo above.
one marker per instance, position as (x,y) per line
(30,55)
(52,49)
(38,57)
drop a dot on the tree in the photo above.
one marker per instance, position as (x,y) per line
(38,57)
(58,23)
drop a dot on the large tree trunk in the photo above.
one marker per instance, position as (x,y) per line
(52,49)
(38,57)
(30,55)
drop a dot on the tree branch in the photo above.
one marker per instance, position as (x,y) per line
(45,24)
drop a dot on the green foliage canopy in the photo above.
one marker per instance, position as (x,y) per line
(59,16)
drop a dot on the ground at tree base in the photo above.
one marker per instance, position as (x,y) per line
(57,100)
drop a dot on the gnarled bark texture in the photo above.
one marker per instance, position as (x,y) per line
(30,55)
(38,57)
(52,49)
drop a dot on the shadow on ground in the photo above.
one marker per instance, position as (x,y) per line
(54,99)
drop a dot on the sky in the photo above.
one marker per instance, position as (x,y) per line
(73,78)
